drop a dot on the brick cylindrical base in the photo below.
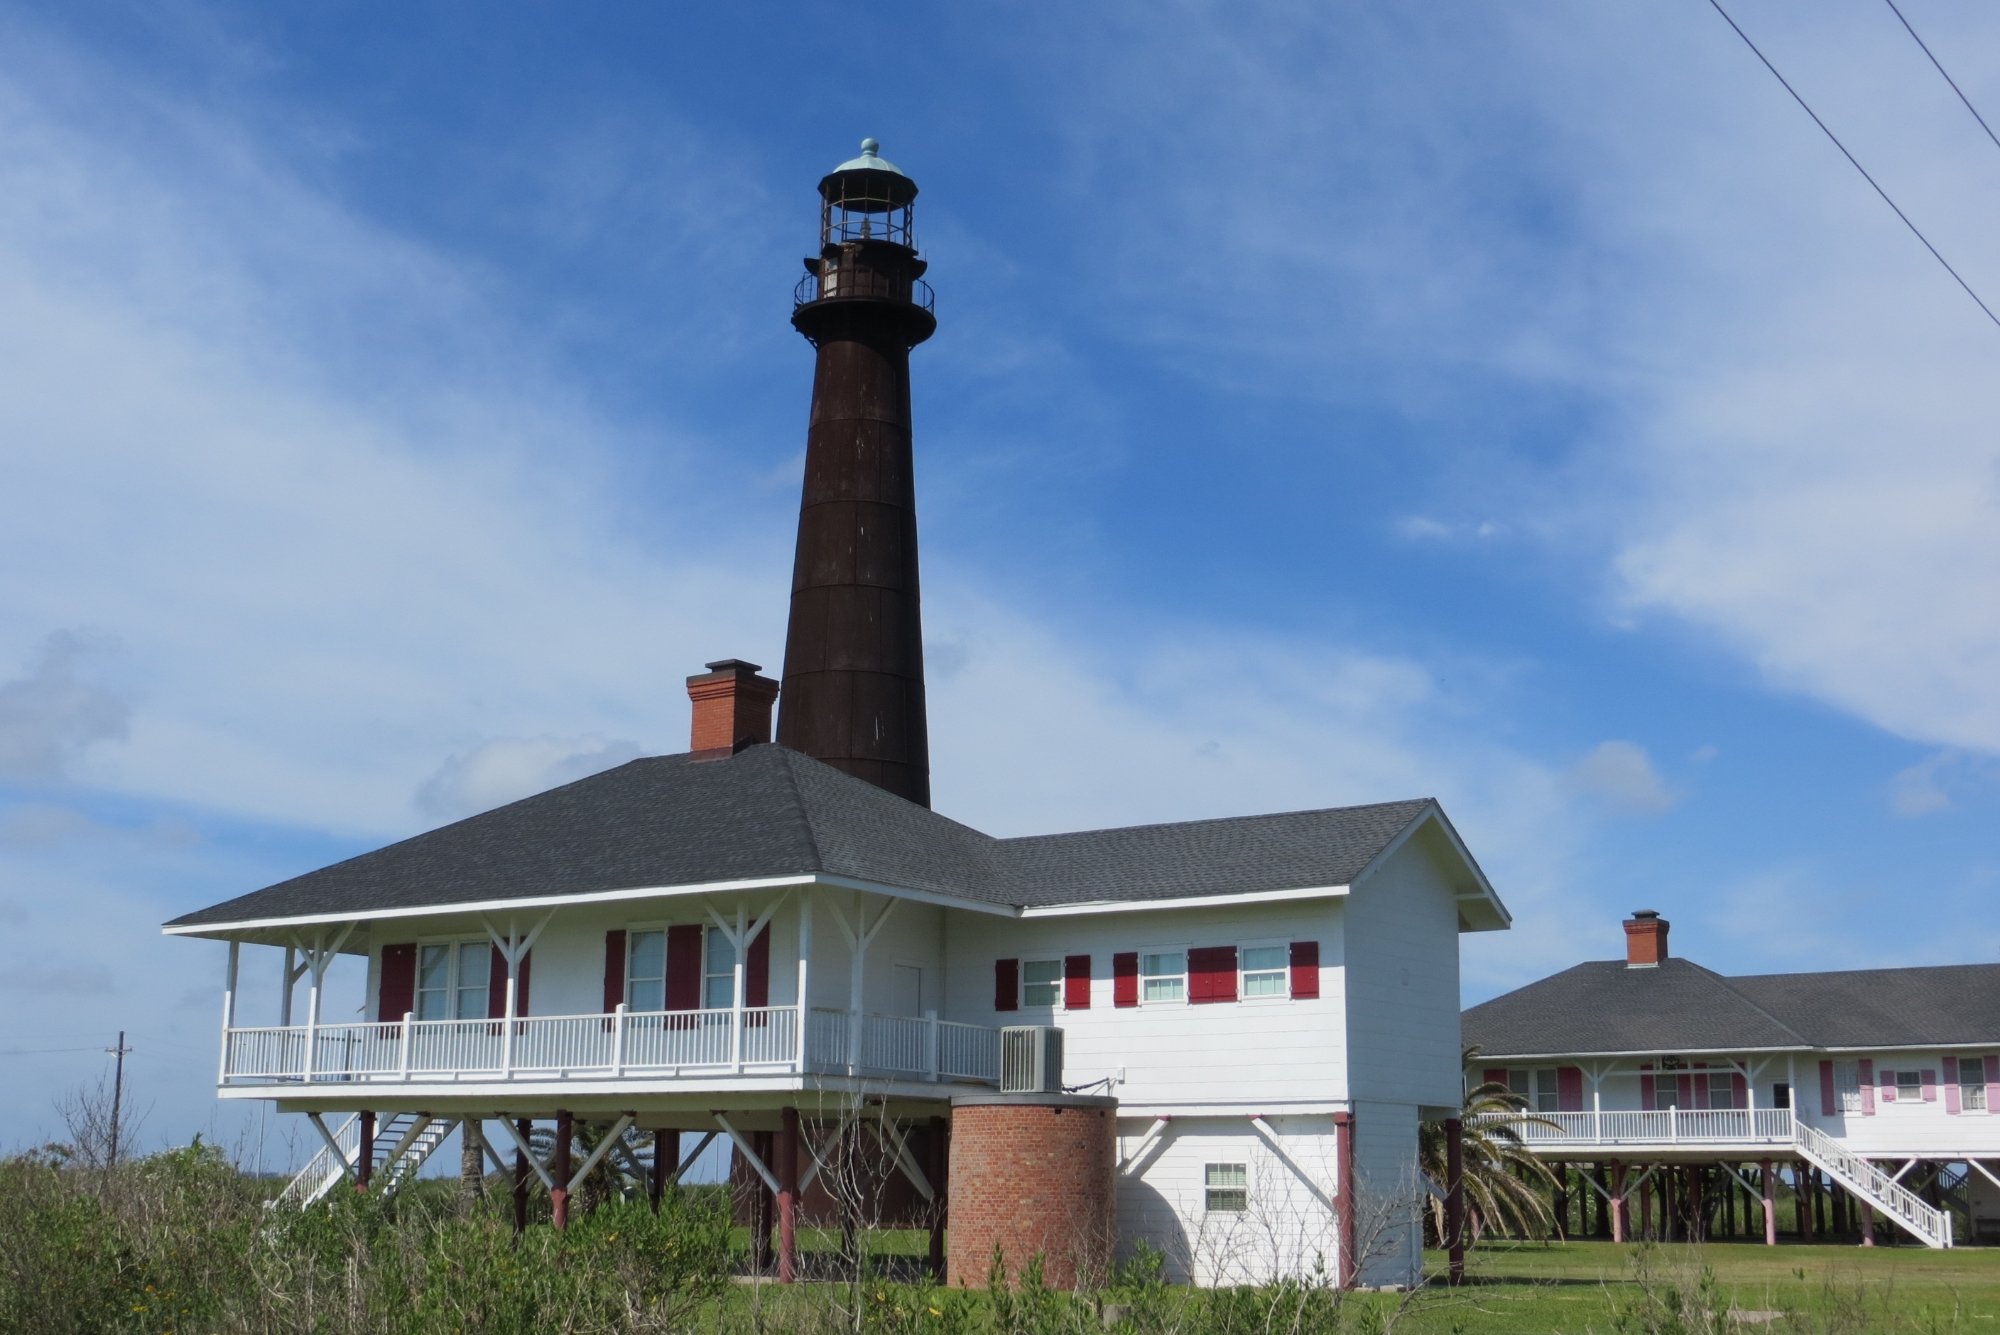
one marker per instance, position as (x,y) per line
(1032,1174)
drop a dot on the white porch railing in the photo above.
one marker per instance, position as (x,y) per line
(1667,1126)
(640,1045)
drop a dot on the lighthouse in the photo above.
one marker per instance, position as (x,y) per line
(854,655)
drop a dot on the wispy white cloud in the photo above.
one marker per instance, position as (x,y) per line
(1621,775)
(1935,783)
(508,768)
(54,712)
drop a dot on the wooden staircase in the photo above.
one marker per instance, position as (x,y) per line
(403,1141)
(1898,1203)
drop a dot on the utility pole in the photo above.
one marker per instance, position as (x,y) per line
(117,1094)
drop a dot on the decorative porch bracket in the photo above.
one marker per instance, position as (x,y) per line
(742,1144)
(892,1140)
(604,1145)
(528,1152)
(1277,1144)
(839,1129)
(347,1165)
(1147,1144)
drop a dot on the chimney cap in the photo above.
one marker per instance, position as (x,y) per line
(734,666)
(1637,914)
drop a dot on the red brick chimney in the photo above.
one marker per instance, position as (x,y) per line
(1645,939)
(732,708)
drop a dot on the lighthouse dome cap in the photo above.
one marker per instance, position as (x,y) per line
(871,159)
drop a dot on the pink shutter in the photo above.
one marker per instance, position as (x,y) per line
(399,982)
(757,970)
(1125,978)
(1739,1092)
(1701,1084)
(1212,974)
(1648,1089)
(1951,1104)
(1684,1089)
(1305,969)
(684,967)
(1929,1077)
(614,968)
(1828,1104)
(1076,982)
(1992,1084)
(1867,1082)
(1006,985)
(521,985)
(1496,1076)
(1888,1085)
(1569,1088)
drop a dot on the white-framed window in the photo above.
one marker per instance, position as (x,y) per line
(1539,1086)
(1910,1085)
(1162,976)
(1226,1187)
(1847,1085)
(451,979)
(1041,983)
(1721,1090)
(718,972)
(1972,1084)
(1266,971)
(646,969)
(1666,1091)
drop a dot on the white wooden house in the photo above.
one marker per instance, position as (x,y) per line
(729,945)
(1882,1083)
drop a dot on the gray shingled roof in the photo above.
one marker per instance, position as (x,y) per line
(1606,1007)
(771,812)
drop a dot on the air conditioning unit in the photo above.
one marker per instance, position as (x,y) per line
(1031,1060)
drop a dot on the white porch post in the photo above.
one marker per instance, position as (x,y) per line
(316,962)
(228,1009)
(805,956)
(618,1040)
(512,956)
(736,992)
(854,960)
(285,996)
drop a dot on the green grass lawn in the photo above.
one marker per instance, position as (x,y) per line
(1583,1286)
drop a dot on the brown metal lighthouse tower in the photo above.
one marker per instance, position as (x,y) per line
(854,653)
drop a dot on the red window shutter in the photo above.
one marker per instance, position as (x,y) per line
(496,985)
(1125,978)
(1867,1081)
(1305,969)
(1828,1104)
(1888,1086)
(1929,1076)
(757,970)
(1648,1089)
(399,981)
(1076,982)
(1951,1105)
(1006,985)
(1212,974)
(1684,1087)
(1495,1076)
(521,987)
(684,964)
(614,968)
(1569,1088)
(1739,1092)
(1701,1084)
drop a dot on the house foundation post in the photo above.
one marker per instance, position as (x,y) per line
(666,1162)
(787,1168)
(762,1203)
(1867,1224)
(1695,1218)
(1454,1198)
(1646,1208)
(524,1126)
(364,1155)
(1344,1203)
(1808,1207)
(1770,1182)
(1618,1206)
(938,1167)
(559,1169)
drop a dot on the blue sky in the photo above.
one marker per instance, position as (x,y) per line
(1521,405)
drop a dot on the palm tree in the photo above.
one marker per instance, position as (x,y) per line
(1504,1182)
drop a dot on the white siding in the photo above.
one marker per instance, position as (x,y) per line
(1286,1229)
(1402,982)
(1388,1240)
(1248,1052)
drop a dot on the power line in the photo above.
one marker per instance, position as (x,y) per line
(1947,77)
(37,1052)
(1914,229)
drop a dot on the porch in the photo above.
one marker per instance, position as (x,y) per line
(1665,1129)
(643,1047)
